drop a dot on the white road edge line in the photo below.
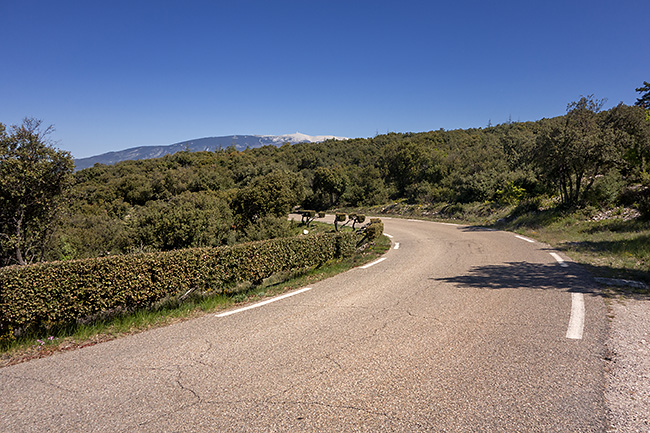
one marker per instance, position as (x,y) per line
(577,319)
(415,221)
(559,259)
(373,263)
(525,239)
(449,224)
(259,304)
(396,247)
(390,236)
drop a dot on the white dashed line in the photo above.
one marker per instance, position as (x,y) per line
(373,263)
(250,307)
(390,236)
(577,319)
(524,239)
(396,247)
(414,221)
(559,259)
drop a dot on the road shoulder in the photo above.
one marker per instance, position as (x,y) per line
(627,392)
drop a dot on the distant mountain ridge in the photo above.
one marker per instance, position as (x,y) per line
(240,142)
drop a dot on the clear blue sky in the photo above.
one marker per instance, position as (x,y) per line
(119,74)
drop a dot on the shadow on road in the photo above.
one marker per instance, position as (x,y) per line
(527,275)
(477,229)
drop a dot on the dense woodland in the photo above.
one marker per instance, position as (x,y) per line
(586,157)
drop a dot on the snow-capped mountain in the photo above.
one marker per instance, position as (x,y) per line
(299,138)
(240,142)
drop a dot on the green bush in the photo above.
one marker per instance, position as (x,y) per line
(267,227)
(374,229)
(606,190)
(309,215)
(643,206)
(190,219)
(47,295)
(453,211)
(511,194)
(527,206)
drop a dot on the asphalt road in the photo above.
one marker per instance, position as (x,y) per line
(460,329)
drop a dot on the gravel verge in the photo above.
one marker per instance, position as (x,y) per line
(627,393)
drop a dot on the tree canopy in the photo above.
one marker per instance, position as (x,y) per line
(573,150)
(644,100)
(33,178)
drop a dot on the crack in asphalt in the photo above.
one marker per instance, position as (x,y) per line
(334,361)
(197,360)
(178,383)
(385,415)
(206,350)
(41,381)
(198,400)
(187,388)
(270,402)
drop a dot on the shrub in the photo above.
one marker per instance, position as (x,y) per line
(339,217)
(453,211)
(267,227)
(309,215)
(511,194)
(606,190)
(374,229)
(47,295)
(527,206)
(191,219)
(643,206)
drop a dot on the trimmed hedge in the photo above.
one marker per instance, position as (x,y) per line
(61,293)
(374,230)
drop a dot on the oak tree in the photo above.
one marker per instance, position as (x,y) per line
(574,149)
(33,179)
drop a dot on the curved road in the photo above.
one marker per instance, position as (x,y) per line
(459,329)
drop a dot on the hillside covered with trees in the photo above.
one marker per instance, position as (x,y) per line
(586,157)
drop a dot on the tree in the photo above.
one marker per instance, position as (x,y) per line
(366,186)
(190,219)
(33,179)
(644,100)
(574,149)
(329,184)
(408,162)
(271,195)
(632,129)
(308,216)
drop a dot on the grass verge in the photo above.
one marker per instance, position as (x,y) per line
(612,247)
(39,346)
